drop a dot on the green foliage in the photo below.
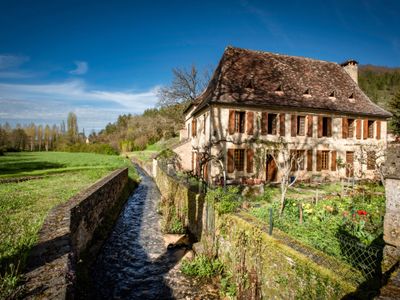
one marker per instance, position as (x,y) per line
(323,222)
(8,282)
(94,148)
(228,285)
(266,197)
(202,266)
(171,222)
(24,205)
(394,105)
(225,201)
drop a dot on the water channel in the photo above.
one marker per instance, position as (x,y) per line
(135,263)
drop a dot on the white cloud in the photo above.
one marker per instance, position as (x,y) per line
(51,103)
(81,68)
(8,61)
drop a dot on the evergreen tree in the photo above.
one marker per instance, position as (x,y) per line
(394,105)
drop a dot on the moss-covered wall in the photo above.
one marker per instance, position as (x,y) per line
(262,266)
(186,204)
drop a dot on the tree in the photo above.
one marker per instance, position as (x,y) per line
(31,133)
(47,137)
(40,136)
(187,84)
(72,127)
(394,105)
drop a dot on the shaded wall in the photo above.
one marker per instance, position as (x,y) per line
(72,232)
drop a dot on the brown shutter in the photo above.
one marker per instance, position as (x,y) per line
(282,128)
(231,166)
(333,160)
(194,127)
(329,125)
(345,128)
(319,160)
(250,122)
(293,125)
(310,125)
(231,122)
(358,129)
(309,160)
(378,130)
(365,129)
(320,126)
(264,123)
(250,155)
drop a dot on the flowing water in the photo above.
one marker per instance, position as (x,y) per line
(134,262)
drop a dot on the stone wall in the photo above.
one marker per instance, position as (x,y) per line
(72,232)
(263,266)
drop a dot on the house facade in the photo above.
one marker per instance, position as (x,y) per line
(261,109)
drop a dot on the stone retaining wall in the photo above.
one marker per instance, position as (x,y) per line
(263,266)
(72,231)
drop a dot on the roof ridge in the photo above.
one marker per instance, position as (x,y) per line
(280,54)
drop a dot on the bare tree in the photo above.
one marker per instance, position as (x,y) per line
(372,154)
(186,86)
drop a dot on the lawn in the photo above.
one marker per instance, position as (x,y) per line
(152,150)
(55,177)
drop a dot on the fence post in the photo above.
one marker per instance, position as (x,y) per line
(271,223)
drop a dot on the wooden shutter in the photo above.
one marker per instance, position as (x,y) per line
(378,130)
(345,128)
(309,160)
(310,125)
(358,129)
(250,122)
(320,122)
(282,128)
(319,160)
(264,123)
(329,125)
(333,160)
(250,156)
(194,127)
(293,125)
(231,122)
(231,166)
(365,129)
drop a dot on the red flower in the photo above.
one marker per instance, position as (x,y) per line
(361,212)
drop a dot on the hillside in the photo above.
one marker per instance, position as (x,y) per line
(379,83)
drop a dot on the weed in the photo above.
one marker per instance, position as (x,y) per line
(202,266)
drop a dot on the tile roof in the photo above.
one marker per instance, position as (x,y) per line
(256,78)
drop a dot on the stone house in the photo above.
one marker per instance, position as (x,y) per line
(259,106)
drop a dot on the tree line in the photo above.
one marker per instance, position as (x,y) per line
(38,137)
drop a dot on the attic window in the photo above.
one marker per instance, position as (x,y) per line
(279,89)
(332,94)
(307,93)
(351,97)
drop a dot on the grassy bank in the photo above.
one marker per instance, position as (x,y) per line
(54,178)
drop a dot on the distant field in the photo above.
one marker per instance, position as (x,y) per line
(151,150)
(24,205)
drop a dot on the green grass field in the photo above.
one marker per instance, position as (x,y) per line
(24,205)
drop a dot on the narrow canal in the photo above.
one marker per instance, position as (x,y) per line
(135,263)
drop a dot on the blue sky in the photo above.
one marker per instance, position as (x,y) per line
(105,58)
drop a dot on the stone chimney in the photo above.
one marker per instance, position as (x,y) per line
(351,67)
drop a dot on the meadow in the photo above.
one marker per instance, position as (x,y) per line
(46,179)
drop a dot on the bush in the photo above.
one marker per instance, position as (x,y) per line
(202,266)
(93,148)
(225,201)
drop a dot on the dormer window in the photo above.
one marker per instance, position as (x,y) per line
(307,93)
(279,89)
(249,84)
(351,97)
(332,95)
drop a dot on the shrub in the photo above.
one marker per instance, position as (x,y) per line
(93,148)
(225,201)
(202,266)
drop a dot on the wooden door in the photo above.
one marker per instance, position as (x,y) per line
(350,164)
(271,169)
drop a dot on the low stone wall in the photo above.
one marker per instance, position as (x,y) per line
(263,266)
(146,166)
(188,205)
(71,232)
